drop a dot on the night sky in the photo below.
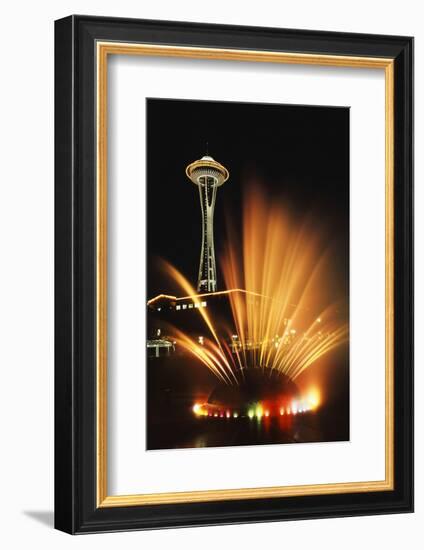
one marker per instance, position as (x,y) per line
(299,153)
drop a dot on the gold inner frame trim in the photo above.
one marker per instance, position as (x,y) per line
(103,50)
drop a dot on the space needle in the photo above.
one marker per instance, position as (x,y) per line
(208,175)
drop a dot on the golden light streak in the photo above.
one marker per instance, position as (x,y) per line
(216,355)
(286,309)
(280,263)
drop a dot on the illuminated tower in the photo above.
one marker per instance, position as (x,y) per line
(208,175)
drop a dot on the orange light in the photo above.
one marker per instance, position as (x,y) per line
(220,292)
(314,397)
(197,409)
(278,278)
(153,300)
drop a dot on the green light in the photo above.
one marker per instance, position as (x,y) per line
(251,413)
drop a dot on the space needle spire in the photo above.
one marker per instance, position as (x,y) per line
(208,175)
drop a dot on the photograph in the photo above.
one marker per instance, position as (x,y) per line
(233,268)
(210,283)
(247,310)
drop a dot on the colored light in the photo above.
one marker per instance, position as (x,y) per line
(281,411)
(235,415)
(267,413)
(215,415)
(197,409)
(313,398)
(228,414)
(259,411)
(251,413)
(259,321)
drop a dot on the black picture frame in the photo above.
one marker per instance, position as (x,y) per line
(76,509)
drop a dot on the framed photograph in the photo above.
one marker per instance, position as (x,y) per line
(234,274)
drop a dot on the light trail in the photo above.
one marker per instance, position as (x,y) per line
(277,263)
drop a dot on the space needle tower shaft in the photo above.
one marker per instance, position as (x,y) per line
(208,175)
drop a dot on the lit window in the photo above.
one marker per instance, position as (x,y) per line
(190,306)
(184,306)
(204,304)
(178,307)
(196,304)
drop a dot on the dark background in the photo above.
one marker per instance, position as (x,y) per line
(300,154)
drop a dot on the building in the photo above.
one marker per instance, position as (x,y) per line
(166,311)
(208,175)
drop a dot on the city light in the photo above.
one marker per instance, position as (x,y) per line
(295,407)
(313,398)
(197,409)
(159,297)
